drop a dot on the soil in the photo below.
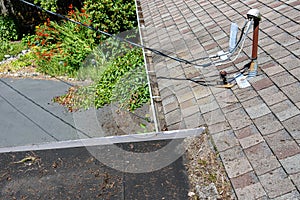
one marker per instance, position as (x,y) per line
(206,174)
(31,72)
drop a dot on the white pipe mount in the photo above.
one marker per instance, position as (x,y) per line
(254,13)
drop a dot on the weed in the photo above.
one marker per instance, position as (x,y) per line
(10,48)
(122,81)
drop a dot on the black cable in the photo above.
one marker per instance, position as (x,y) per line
(178,59)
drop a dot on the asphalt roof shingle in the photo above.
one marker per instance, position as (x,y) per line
(192,29)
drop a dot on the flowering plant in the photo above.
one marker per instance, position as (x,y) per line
(60,47)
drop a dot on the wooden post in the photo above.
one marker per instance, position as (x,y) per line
(254,15)
(255,38)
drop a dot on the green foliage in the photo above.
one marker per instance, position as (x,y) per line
(23,61)
(112,77)
(123,81)
(15,65)
(10,48)
(8,30)
(97,61)
(60,48)
(112,16)
(4,48)
(131,91)
(47,4)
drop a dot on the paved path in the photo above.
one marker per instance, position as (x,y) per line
(257,129)
(28,115)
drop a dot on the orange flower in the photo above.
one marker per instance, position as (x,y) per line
(71,12)
(48,21)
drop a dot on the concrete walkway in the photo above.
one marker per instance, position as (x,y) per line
(28,115)
(257,129)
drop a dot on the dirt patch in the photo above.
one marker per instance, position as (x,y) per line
(116,121)
(31,72)
(206,173)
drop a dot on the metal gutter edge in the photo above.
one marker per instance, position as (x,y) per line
(153,108)
(109,140)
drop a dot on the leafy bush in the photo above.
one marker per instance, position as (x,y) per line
(112,16)
(47,4)
(10,48)
(63,46)
(60,48)
(8,30)
(15,65)
(96,62)
(4,47)
(123,81)
(112,75)
(24,61)
(131,91)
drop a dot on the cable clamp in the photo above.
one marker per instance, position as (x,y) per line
(222,55)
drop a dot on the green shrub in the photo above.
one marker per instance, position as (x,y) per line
(15,65)
(112,16)
(97,61)
(24,61)
(10,48)
(131,90)
(112,75)
(4,48)
(123,81)
(47,4)
(61,47)
(8,30)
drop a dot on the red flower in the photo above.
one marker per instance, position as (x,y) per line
(71,6)
(71,12)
